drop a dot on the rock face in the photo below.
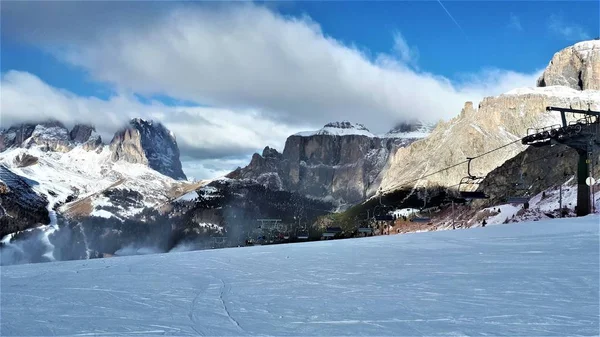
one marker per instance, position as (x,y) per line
(576,67)
(15,135)
(342,161)
(497,122)
(21,207)
(148,143)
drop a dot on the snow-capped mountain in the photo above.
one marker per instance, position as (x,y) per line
(342,161)
(75,171)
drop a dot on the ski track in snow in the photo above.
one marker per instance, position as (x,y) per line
(526,279)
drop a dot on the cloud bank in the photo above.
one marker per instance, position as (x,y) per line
(258,75)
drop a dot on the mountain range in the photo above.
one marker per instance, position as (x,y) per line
(50,174)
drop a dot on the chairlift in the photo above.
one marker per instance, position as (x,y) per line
(421,219)
(365,228)
(331,232)
(302,233)
(218,241)
(386,217)
(519,186)
(518,200)
(471,180)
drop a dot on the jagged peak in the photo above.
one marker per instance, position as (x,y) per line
(270,152)
(149,143)
(141,121)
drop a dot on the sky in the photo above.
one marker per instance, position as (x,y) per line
(229,78)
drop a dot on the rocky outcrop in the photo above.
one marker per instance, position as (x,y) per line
(576,67)
(81,133)
(15,135)
(22,207)
(341,161)
(148,143)
(25,159)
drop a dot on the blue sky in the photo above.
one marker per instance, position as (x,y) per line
(231,78)
(505,34)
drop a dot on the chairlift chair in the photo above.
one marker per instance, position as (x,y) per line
(519,186)
(421,219)
(471,180)
(331,232)
(365,228)
(302,233)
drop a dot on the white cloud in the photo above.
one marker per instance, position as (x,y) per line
(265,75)
(407,54)
(212,168)
(514,22)
(203,134)
(571,32)
(245,56)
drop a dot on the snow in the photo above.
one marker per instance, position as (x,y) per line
(102,214)
(538,278)
(191,196)
(405,211)
(586,48)
(592,96)
(339,129)
(211,226)
(477,128)
(507,211)
(45,132)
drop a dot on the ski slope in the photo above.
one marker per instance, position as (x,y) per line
(526,279)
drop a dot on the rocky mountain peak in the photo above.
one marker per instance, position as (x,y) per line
(86,135)
(149,143)
(576,67)
(81,133)
(269,152)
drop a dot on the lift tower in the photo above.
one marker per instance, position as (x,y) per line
(583,135)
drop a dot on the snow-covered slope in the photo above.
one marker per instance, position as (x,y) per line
(533,279)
